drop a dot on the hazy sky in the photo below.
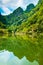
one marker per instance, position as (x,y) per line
(7,6)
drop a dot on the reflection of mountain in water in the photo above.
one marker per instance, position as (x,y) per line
(7,58)
(24,46)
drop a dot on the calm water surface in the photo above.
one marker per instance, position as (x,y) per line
(8,58)
(22,50)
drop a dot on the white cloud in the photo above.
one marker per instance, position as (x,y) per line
(6,10)
(5,1)
(7,5)
(19,3)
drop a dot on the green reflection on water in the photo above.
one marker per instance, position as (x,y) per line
(22,46)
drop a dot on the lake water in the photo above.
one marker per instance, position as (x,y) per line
(22,50)
(8,58)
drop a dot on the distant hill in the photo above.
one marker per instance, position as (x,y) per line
(2,21)
(18,11)
(16,17)
(29,7)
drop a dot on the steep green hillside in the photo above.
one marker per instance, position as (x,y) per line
(17,16)
(19,19)
(2,21)
(34,23)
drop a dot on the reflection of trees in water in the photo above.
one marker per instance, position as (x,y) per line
(21,47)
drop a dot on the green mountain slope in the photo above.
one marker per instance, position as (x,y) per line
(2,21)
(34,23)
(16,17)
(19,19)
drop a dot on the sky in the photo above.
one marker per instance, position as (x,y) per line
(8,6)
